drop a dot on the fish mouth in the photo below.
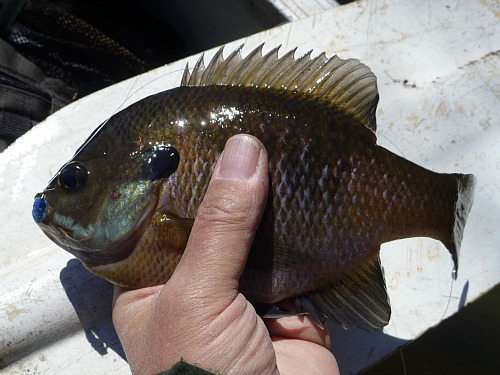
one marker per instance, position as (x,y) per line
(60,229)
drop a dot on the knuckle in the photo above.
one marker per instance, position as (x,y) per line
(227,207)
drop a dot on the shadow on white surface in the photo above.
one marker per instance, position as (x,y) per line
(92,298)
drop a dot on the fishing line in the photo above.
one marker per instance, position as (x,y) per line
(400,152)
(400,349)
(442,317)
(97,130)
(402,360)
(141,88)
(449,298)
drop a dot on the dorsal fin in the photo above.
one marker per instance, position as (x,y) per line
(346,85)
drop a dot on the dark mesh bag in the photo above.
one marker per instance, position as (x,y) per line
(27,96)
(54,51)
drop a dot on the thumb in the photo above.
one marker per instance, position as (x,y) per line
(226,222)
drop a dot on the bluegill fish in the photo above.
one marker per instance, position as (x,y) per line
(125,204)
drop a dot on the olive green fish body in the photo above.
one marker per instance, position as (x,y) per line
(335,195)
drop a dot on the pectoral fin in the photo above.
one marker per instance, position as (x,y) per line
(171,230)
(357,299)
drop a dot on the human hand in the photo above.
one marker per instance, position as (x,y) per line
(199,315)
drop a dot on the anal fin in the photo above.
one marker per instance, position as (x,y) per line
(357,299)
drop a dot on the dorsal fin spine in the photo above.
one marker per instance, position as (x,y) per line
(246,73)
(296,72)
(212,68)
(271,79)
(229,65)
(199,67)
(269,60)
(185,76)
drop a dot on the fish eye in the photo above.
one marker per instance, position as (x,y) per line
(160,162)
(73,176)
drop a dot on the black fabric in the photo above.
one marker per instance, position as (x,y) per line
(93,43)
(27,96)
(9,13)
(183,368)
(56,51)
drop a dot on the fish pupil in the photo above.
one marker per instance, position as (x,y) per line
(73,176)
(160,162)
(70,181)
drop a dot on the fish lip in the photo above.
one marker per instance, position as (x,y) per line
(39,207)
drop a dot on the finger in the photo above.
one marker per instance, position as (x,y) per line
(117,291)
(226,221)
(301,327)
(313,359)
(298,327)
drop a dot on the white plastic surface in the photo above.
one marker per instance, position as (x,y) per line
(438,75)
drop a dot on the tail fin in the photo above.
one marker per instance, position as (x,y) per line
(465,195)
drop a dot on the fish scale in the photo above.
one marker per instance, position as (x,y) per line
(335,195)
